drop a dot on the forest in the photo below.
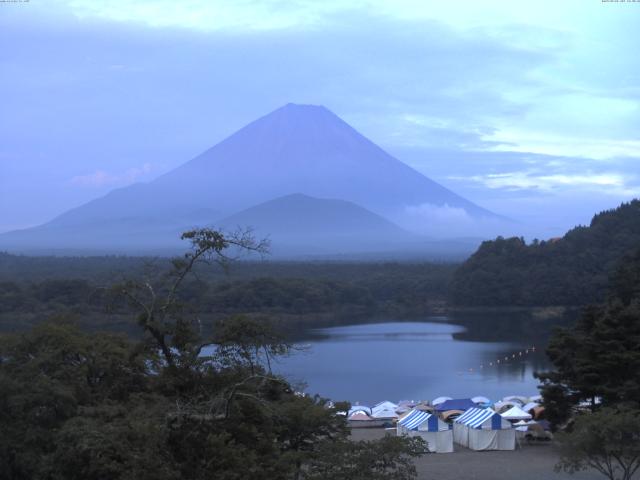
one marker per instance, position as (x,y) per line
(102,373)
(95,406)
(295,294)
(572,270)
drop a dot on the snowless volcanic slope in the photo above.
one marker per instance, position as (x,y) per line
(295,149)
(306,224)
(299,214)
(308,149)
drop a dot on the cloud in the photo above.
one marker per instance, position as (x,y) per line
(498,87)
(531,179)
(401,82)
(211,15)
(607,182)
(205,15)
(437,213)
(101,178)
(445,221)
(594,146)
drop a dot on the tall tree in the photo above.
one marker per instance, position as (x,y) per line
(597,362)
(77,405)
(607,441)
(390,458)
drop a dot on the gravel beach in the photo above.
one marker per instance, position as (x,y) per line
(530,462)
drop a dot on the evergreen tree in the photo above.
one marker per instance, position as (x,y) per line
(597,362)
(174,405)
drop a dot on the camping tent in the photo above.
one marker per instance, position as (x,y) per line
(405,406)
(439,400)
(425,408)
(530,406)
(384,410)
(359,408)
(516,398)
(450,415)
(503,406)
(430,428)
(359,419)
(483,429)
(456,404)
(480,400)
(516,413)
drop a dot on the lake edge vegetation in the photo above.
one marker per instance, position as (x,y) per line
(78,405)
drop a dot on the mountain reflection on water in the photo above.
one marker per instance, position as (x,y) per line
(417,360)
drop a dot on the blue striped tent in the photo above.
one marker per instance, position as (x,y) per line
(479,418)
(483,429)
(430,428)
(418,418)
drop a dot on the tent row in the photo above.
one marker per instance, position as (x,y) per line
(476,429)
(390,410)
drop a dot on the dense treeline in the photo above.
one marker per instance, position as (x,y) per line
(598,356)
(572,270)
(95,406)
(301,293)
(108,269)
(593,390)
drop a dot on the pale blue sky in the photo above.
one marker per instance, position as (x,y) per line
(531,109)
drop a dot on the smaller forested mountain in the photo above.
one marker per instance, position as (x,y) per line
(299,223)
(572,270)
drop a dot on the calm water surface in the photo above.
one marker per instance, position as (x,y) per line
(411,360)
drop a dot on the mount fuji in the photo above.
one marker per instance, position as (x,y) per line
(297,149)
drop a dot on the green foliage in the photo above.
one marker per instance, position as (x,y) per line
(300,294)
(244,341)
(607,441)
(572,270)
(385,459)
(94,406)
(599,357)
(47,378)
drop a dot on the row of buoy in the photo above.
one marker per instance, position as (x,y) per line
(506,359)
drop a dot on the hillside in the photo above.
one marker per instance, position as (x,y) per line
(572,270)
(313,225)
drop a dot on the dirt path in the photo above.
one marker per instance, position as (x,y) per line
(531,462)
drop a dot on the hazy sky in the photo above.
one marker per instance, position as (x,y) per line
(531,109)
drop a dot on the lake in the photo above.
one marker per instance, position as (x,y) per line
(422,360)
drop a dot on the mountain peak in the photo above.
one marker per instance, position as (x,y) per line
(296,112)
(296,148)
(303,107)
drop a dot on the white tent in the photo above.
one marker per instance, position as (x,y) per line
(435,432)
(360,419)
(529,406)
(359,408)
(516,398)
(439,400)
(522,423)
(516,413)
(384,410)
(480,399)
(483,429)
(503,406)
